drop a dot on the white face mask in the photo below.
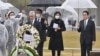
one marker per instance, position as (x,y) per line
(38,15)
(12,17)
(57,17)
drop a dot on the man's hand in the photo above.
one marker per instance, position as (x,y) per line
(45,22)
(93,42)
(78,24)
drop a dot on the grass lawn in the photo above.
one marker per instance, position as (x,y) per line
(71,39)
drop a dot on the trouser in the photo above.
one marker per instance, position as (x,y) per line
(86,48)
(40,48)
(58,53)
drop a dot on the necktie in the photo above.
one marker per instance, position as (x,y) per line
(85,24)
(38,20)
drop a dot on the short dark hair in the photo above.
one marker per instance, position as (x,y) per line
(57,13)
(10,13)
(39,10)
(86,12)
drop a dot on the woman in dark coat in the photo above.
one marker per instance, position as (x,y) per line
(55,30)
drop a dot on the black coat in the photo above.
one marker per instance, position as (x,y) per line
(88,34)
(56,40)
(42,30)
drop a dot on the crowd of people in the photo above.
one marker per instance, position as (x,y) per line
(9,27)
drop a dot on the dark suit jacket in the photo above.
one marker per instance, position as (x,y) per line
(88,34)
(42,29)
(36,24)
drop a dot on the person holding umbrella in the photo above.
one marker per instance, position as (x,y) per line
(10,28)
(42,30)
(87,37)
(56,28)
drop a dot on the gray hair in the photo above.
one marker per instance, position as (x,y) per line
(32,12)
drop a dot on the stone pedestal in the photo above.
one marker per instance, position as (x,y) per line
(95,53)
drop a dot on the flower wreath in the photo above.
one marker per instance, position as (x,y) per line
(23,47)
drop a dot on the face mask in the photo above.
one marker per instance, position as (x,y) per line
(12,17)
(57,17)
(38,15)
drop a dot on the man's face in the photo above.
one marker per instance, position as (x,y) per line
(38,14)
(85,16)
(31,16)
(23,11)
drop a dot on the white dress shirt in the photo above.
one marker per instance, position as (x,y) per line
(86,21)
(39,19)
(33,21)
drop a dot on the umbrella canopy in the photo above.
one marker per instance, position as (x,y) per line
(12,8)
(3,6)
(15,10)
(80,3)
(9,5)
(45,3)
(65,11)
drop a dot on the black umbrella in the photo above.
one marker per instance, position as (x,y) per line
(45,3)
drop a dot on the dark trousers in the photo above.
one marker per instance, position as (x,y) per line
(86,48)
(40,48)
(58,53)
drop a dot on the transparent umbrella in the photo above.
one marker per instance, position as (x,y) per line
(65,11)
(80,4)
(9,7)
(12,8)
(3,6)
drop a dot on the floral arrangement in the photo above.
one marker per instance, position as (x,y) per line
(29,48)
(32,30)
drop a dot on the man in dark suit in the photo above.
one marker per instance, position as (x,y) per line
(42,31)
(87,37)
(32,20)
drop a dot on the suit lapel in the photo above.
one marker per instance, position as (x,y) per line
(35,22)
(83,24)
